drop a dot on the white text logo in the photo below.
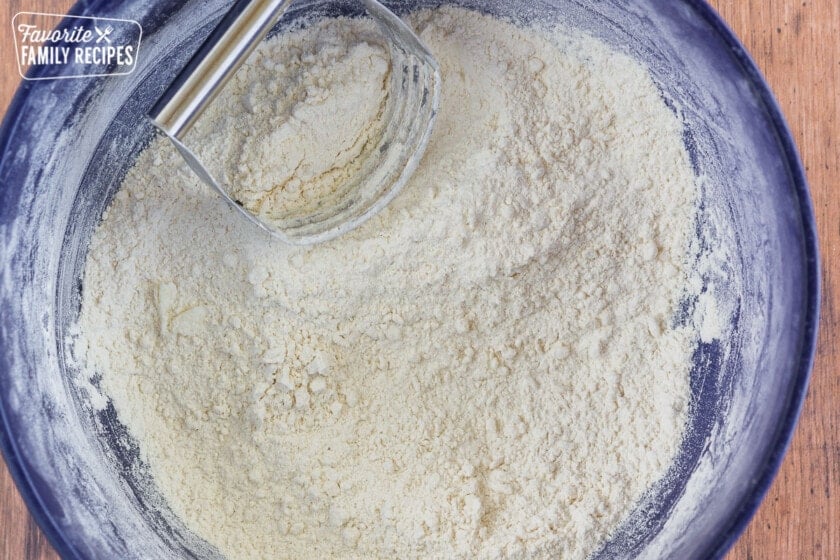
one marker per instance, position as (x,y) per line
(53,46)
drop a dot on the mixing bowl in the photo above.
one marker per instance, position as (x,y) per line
(66,144)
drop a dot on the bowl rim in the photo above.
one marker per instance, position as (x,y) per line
(772,462)
(720,543)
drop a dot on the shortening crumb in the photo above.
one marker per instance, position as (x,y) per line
(489,368)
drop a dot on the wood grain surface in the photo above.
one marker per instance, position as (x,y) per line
(797,45)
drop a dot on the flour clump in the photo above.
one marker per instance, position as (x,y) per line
(489,368)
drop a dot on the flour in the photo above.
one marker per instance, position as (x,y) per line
(311,115)
(489,368)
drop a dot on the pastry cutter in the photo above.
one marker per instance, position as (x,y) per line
(411,105)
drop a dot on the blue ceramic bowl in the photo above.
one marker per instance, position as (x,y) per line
(66,144)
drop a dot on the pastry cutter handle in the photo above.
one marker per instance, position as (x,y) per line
(228,46)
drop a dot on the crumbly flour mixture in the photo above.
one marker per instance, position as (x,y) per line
(489,368)
(304,120)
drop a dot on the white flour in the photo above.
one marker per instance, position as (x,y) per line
(311,114)
(486,369)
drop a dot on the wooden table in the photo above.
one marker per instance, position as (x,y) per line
(797,45)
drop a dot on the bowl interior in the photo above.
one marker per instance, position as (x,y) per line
(66,144)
